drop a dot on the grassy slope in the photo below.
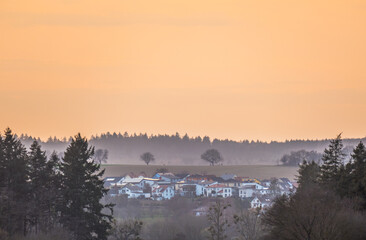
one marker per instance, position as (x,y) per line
(251,171)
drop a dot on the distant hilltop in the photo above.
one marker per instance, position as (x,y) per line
(184,150)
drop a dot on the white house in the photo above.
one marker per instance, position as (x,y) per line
(161,192)
(261,202)
(201,185)
(247,191)
(133,191)
(217,190)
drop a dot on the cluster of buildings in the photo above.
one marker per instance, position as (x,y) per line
(164,186)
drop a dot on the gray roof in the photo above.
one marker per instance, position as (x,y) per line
(228,176)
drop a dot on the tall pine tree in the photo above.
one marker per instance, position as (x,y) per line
(13,184)
(41,186)
(332,162)
(357,176)
(82,190)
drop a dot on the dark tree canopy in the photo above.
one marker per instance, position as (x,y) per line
(101,155)
(308,174)
(212,156)
(82,188)
(147,157)
(353,176)
(13,184)
(41,185)
(313,213)
(297,157)
(332,161)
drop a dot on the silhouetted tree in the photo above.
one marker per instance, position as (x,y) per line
(212,156)
(296,158)
(101,156)
(40,174)
(274,188)
(313,213)
(147,157)
(218,221)
(249,226)
(127,230)
(332,161)
(355,182)
(308,174)
(14,187)
(82,189)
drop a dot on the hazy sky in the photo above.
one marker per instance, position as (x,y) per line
(245,69)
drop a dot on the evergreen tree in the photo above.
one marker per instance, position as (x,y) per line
(40,188)
(332,161)
(308,174)
(13,184)
(357,182)
(54,189)
(82,189)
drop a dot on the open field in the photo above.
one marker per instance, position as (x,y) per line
(251,171)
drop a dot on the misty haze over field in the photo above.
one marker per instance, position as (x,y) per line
(184,150)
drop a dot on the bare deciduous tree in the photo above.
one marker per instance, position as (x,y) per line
(127,230)
(212,156)
(101,156)
(218,221)
(248,225)
(147,157)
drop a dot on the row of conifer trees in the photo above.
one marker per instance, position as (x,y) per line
(40,193)
(330,202)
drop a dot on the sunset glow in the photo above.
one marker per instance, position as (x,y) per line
(237,69)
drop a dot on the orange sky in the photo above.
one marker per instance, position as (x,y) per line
(243,69)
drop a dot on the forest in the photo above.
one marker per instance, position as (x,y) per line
(64,198)
(184,150)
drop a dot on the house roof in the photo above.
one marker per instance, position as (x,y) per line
(231,181)
(112,179)
(133,188)
(134,175)
(228,176)
(181,175)
(133,180)
(151,179)
(160,188)
(217,186)
(248,187)
(169,176)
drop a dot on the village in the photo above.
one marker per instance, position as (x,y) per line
(166,185)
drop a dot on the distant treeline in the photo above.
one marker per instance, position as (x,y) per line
(184,150)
